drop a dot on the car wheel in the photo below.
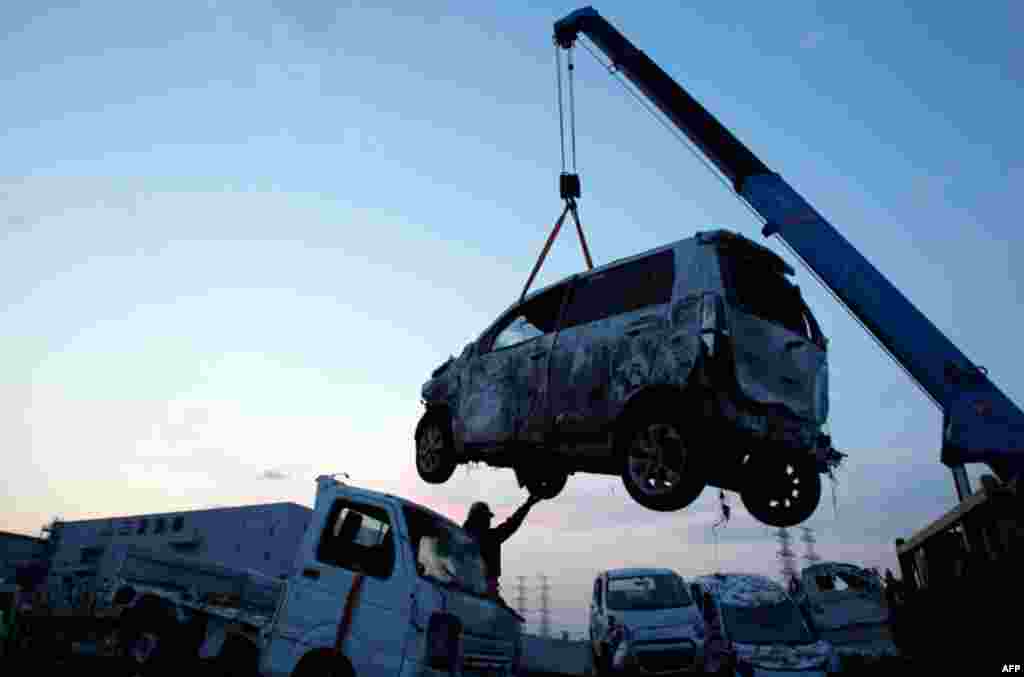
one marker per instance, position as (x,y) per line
(435,449)
(661,470)
(547,486)
(780,491)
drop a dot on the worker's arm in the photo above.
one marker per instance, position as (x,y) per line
(504,531)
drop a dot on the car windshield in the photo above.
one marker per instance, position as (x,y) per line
(657,591)
(445,553)
(762,290)
(772,623)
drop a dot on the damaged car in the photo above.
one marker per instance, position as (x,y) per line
(846,605)
(755,628)
(693,364)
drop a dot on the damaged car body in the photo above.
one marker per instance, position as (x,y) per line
(755,628)
(846,605)
(693,364)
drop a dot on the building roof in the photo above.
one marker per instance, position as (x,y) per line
(170,513)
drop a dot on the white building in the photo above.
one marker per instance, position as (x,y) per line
(263,538)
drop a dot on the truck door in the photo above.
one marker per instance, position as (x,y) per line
(506,389)
(356,548)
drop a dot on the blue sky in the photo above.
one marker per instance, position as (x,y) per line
(238,236)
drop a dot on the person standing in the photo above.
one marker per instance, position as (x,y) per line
(490,539)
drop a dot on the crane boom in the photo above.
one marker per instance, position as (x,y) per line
(980,423)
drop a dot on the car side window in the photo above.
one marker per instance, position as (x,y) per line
(623,289)
(359,538)
(535,318)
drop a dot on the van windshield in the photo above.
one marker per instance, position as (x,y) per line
(778,623)
(761,289)
(658,591)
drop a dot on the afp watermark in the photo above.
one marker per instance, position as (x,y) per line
(1011,667)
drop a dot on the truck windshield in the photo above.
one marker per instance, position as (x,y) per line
(762,290)
(778,623)
(445,553)
(658,591)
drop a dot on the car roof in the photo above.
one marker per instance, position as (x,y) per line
(832,567)
(639,571)
(742,589)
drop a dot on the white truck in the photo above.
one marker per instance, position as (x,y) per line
(381,586)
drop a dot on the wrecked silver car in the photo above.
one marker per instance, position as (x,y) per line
(693,364)
(846,605)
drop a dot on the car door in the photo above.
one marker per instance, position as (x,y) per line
(595,610)
(615,324)
(357,547)
(505,393)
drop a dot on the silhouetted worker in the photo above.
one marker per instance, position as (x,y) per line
(478,524)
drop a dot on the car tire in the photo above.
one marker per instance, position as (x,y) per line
(547,486)
(656,450)
(435,449)
(780,490)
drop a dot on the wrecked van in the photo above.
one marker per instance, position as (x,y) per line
(755,628)
(697,363)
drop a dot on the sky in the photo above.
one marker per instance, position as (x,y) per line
(238,236)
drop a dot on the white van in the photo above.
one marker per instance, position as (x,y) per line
(645,622)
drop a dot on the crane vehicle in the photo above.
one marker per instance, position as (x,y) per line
(980,423)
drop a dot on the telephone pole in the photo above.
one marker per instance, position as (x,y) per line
(786,555)
(521,596)
(545,614)
(809,541)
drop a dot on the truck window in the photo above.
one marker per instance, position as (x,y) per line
(444,552)
(622,289)
(358,537)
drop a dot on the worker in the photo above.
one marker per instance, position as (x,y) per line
(478,525)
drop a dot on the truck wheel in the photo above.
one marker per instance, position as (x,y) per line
(324,664)
(435,449)
(780,491)
(661,470)
(547,486)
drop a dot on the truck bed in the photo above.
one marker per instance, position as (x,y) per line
(242,595)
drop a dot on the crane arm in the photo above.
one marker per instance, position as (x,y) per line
(980,423)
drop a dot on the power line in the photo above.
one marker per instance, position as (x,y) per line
(809,541)
(521,596)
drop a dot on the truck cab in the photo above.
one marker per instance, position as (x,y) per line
(384,586)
